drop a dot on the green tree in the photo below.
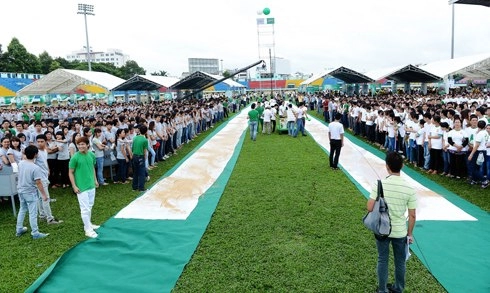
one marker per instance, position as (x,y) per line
(160,73)
(18,59)
(226,73)
(54,65)
(46,61)
(65,63)
(130,69)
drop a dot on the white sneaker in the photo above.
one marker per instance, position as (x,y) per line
(95,227)
(91,234)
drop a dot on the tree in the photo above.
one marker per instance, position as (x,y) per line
(54,65)
(161,73)
(17,59)
(46,62)
(65,63)
(226,73)
(130,69)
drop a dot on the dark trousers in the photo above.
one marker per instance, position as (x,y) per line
(63,171)
(122,170)
(335,147)
(139,172)
(273,126)
(436,163)
(457,164)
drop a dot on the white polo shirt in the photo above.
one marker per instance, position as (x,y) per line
(336,129)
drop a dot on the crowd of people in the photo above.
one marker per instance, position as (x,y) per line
(61,142)
(448,135)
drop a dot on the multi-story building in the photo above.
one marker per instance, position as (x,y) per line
(114,56)
(207,65)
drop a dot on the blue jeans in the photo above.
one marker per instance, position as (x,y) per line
(300,127)
(475,172)
(426,155)
(152,157)
(28,203)
(408,150)
(391,144)
(100,169)
(487,160)
(399,252)
(160,150)
(253,130)
(445,159)
(139,172)
(291,128)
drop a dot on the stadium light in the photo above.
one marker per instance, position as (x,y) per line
(86,9)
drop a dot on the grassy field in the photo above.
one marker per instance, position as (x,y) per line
(287,223)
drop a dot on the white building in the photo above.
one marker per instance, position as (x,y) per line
(114,56)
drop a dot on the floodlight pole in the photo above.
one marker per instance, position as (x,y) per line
(86,9)
(452,35)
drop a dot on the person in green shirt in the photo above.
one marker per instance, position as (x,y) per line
(83,180)
(38,115)
(139,150)
(253,120)
(260,109)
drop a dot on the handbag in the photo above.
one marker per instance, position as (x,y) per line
(378,220)
(480,159)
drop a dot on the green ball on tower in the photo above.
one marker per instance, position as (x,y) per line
(266,11)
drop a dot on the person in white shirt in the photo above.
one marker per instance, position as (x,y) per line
(267,120)
(458,146)
(475,170)
(336,138)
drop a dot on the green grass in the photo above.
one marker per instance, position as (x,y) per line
(287,223)
(23,260)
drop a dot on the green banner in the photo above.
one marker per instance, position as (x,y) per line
(270,20)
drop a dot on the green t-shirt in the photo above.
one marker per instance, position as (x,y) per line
(140,144)
(399,196)
(253,115)
(84,165)
(25,117)
(37,116)
(260,110)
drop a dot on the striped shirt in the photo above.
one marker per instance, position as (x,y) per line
(399,196)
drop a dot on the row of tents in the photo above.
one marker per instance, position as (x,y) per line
(64,84)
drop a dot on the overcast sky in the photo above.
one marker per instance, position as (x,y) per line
(312,34)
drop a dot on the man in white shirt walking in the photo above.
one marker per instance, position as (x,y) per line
(336,138)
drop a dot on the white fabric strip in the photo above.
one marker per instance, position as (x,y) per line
(366,168)
(175,197)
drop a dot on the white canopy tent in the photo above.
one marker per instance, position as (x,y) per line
(165,81)
(230,82)
(63,81)
(474,66)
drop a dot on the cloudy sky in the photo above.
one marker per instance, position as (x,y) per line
(313,35)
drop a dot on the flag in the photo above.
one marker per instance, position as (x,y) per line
(260,21)
(270,20)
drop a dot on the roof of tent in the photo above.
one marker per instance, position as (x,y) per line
(199,79)
(473,2)
(345,74)
(230,82)
(146,83)
(401,74)
(63,81)
(474,66)
(194,81)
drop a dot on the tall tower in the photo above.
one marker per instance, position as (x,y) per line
(266,46)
